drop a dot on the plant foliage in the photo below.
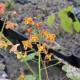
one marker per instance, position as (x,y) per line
(66,22)
(30,77)
(73,76)
(50,20)
(29,57)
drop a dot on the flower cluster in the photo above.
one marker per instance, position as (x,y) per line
(34,38)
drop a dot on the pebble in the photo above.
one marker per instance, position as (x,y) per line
(3,74)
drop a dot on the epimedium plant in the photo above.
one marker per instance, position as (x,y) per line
(40,37)
(66,22)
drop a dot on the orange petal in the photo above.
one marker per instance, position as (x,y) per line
(29,30)
(9,25)
(38,25)
(14,48)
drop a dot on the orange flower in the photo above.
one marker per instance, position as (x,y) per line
(29,20)
(44,32)
(15,13)
(26,44)
(14,48)
(50,37)
(34,38)
(48,56)
(4,44)
(7,44)
(24,55)
(29,30)
(22,76)
(38,25)
(20,55)
(1,8)
(41,48)
(10,25)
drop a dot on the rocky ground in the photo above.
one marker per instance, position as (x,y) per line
(40,9)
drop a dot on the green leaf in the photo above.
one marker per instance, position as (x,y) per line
(66,24)
(29,57)
(50,20)
(65,21)
(30,77)
(76,26)
(73,76)
(63,48)
(68,9)
(65,67)
(61,14)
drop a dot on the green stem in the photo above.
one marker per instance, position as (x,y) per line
(44,65)
(34,61)
(3,27)
(28,65)
(46,71)
(51,65)
(6,39)
(29,68)
(30,50)
(45,61)
(39,65)
(25,62)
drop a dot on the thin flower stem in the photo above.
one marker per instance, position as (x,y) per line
(46,71)
(34,61)
(50,60)
(30,68)
(39,66)
(24,60)
(3,27)
(51,65)
(29,50)
(47,61)
(6,39)
(44,65)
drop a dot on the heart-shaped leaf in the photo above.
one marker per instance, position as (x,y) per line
(30,77)
(50,20)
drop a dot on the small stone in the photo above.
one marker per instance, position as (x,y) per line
(3,74)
